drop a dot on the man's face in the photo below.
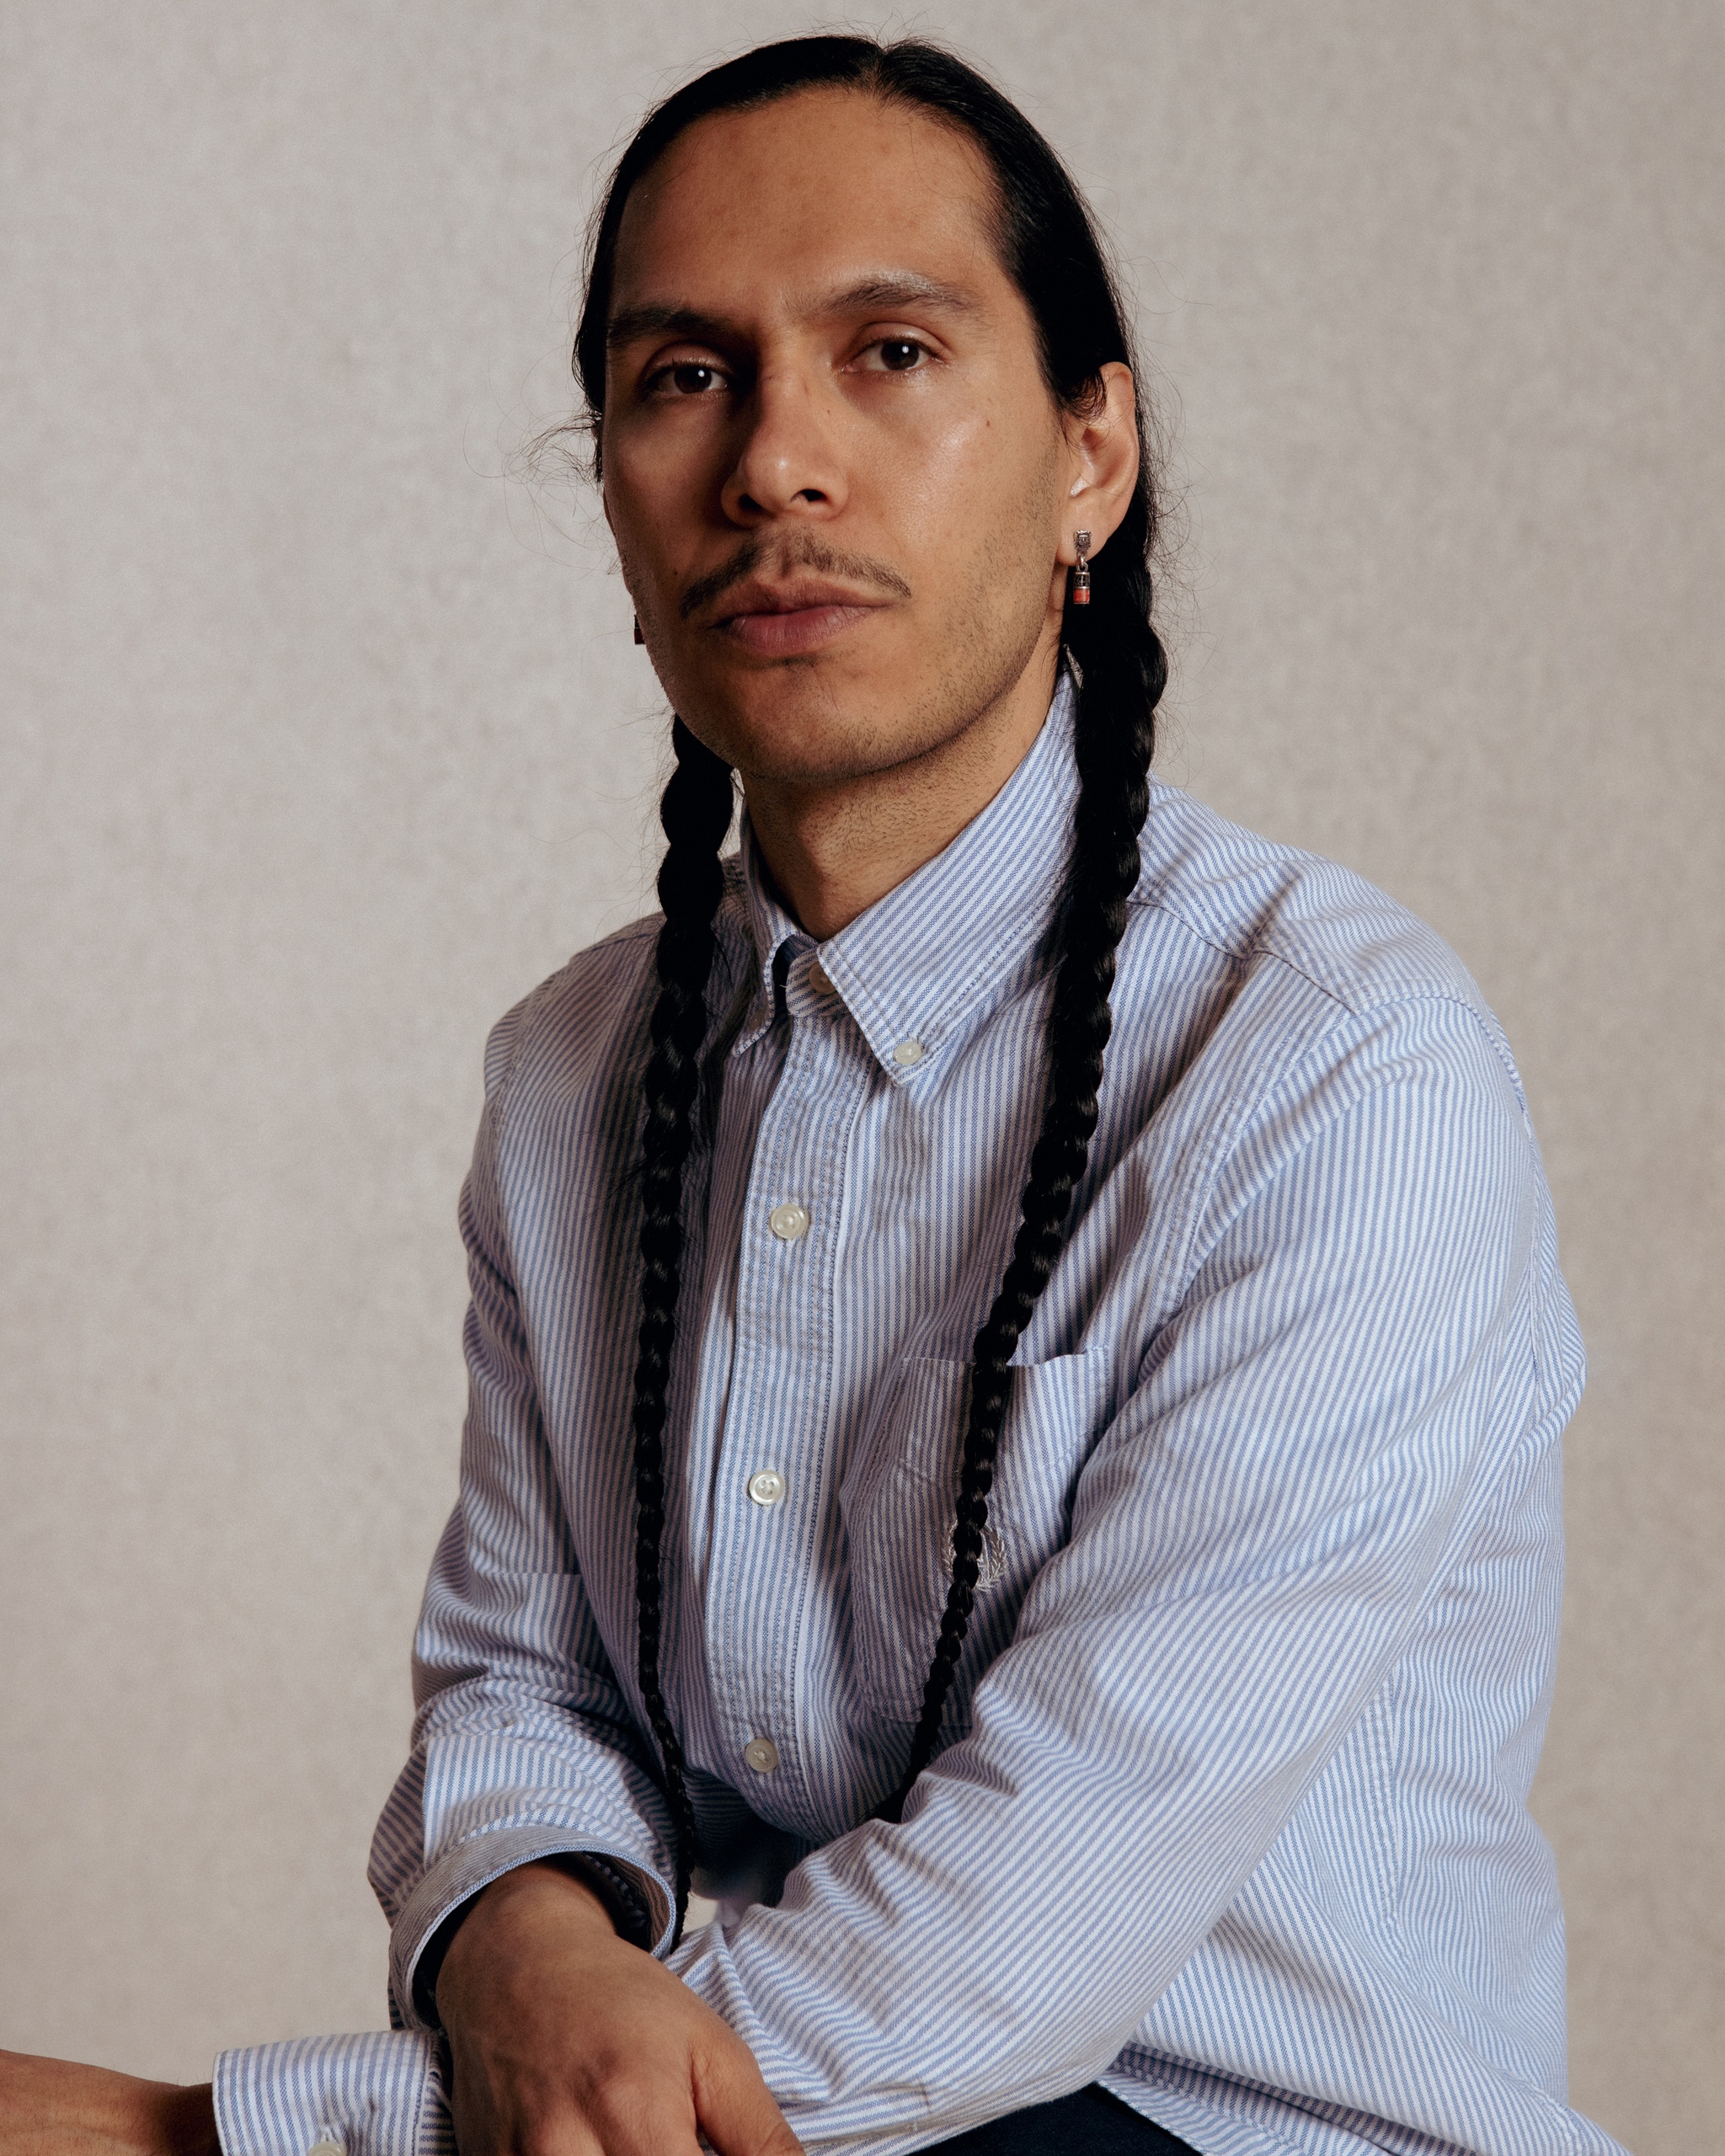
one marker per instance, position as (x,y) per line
(836,476)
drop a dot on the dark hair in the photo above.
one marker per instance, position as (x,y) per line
(1050,247)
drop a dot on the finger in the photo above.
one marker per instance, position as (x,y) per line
(637,2110)
(618,2114)
(735,2107)
(480,2133)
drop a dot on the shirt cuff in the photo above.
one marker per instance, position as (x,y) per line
(384,2094)
(457,1877)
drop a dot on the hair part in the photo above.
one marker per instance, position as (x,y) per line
(1049,247)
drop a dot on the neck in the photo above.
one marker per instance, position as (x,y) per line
(835,847)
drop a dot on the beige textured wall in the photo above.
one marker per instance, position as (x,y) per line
(322,745)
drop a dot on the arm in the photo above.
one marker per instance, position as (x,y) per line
(524,1745)
(1317,1430)
(524,1750)
(54,2107)
(558,2031)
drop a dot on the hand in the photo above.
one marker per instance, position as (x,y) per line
(50,2107)
(567,2041)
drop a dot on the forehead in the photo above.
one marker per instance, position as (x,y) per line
(811,192)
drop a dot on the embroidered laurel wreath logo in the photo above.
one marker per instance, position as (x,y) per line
(991,1567)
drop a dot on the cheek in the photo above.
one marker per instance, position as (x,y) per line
(976,511)
(656,480)
(961,481)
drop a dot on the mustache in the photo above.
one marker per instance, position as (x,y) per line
(804,552)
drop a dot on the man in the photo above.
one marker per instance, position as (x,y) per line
(1016,1351)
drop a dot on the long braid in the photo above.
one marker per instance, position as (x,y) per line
(696,813)
(1122,672)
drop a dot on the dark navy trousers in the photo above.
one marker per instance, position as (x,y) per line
(1092,2123)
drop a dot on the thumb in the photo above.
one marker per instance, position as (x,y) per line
(734,2107)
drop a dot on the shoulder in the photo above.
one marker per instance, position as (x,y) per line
(1255,902)
(1301,967)
(581,1019)
(590,1018)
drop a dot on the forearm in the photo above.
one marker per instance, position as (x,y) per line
(55,2107)
(512,1914)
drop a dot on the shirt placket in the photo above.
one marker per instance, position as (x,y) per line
(771,1483)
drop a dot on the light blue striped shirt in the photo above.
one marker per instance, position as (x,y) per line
(1231,1813)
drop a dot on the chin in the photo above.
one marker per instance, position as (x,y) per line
(834,760)
(807,731)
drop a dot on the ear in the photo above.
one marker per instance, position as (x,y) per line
(1102,447)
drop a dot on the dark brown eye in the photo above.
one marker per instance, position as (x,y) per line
(900,354)
(694,380)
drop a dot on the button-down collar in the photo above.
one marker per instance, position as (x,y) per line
(910,966)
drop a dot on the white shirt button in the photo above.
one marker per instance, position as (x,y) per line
(907,1052)
(761,1753)
(326,2148)
(817,978)
(767,1487)
(789,1222)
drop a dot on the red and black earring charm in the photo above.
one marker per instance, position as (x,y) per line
(639,638)
(1081,576)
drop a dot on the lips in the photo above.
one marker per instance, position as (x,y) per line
(773,620)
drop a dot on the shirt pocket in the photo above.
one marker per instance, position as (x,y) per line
(900,1503)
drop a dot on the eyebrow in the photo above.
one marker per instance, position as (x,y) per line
(883,295)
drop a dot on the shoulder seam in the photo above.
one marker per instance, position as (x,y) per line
(1349,992)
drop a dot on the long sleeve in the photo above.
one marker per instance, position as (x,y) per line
(524,1744)
(1253,1541)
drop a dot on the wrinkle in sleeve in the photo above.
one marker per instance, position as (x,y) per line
(524,1745)
(1254,1539)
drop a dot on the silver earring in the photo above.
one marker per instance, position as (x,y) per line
(1081,576)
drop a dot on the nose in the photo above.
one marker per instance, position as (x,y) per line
(789,464)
